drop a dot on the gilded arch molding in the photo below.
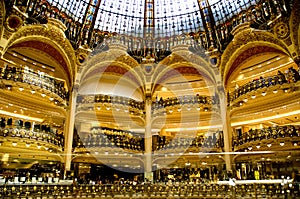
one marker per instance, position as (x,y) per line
(294,24)
(186,63)
(49,35)
(117,59)
(244,40)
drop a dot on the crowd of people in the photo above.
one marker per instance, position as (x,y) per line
(35,78)
(10,127)
(290,76)
(207,141)
(266,133)
(108,137)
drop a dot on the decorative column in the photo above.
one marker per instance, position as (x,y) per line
(148,141)
(69,130)
(227,134)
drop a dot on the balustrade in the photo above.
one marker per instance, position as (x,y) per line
(291,77)
(208,190)
(28,76)
(277,132)
(43,133)
(212,141)
(106,137)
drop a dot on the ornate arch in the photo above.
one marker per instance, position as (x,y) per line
(294,24)
(114,61)
(248,42)
(184,62)
(52,36)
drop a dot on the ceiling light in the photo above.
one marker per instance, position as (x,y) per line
(27,144)
(241,103)
(43,95)
(39,146)
(295,143)
(108,108)
(275,91)
(205,109)
(14,143)
(263,93)
(98,108)
(51,98)
(171,111)
(258,146)
(21,89)
(198,108)
(188,108)
(269,145)
(281,143)
(245,100)
(32,91)
(179,109)
(250,148)
(253,96)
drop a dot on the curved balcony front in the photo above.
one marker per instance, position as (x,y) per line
(270,138)
(273,84)
(23,78)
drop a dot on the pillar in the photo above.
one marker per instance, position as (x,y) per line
(69,131)
(227,134)
(148,141)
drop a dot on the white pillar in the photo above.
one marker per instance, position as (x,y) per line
(227,134)
(69,130)
(148,141)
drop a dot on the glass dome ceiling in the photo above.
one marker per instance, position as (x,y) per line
(160,17)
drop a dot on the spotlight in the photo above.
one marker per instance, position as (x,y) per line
(269,145)
(14,143)
(39,146)
(253,96)
(43,95)
(27,144)
(179,109)
(275,91)
(281,143)
(21,89)
(250,148)
(295,144)
(258,146)
(32,91)
(263,93)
